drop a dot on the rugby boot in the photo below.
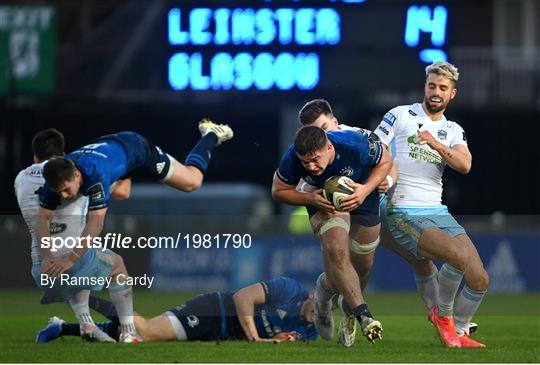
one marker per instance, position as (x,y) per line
(126,337)
(347,326)
(445,329)
(92,333)
(468,342)
(222,131)
(52,331)
(371,329)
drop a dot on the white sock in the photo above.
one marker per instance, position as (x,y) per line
(467,304)
(449,279)
(122,298)
(79,305)
(324,297)
(428,288)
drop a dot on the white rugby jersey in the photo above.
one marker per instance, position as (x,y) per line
(345,127)
(420,168)
(68,220)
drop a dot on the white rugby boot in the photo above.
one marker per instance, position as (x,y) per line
(92,333)
(222,131)
(347,326)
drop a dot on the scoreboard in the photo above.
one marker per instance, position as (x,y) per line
(299,45)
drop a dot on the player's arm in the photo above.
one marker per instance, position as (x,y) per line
(389,181)
(42,229)
(121,189)
(245,300)
(457,157)
(287,194)
(361,191)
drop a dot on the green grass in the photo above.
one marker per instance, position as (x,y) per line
(509,325)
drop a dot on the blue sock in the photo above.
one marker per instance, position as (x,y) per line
(202,152)
(71,329)
(104,307)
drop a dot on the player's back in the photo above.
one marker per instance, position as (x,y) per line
(68,219)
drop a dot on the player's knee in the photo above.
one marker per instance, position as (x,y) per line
(480,282)
(422,267)
(118,263)
(338,255)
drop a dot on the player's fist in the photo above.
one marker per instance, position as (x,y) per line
(321,203)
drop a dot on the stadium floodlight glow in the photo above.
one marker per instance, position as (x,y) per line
(243,71)
(422,19)
(432,55)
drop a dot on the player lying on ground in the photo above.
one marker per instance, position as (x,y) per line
(69,221)
(276,310)
(314,157)
(425,142)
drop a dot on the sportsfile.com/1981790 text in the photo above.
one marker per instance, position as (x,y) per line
(181,240)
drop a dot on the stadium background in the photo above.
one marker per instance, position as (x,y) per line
(93,67)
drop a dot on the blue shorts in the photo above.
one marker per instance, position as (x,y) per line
(144,158)
(367,214)
(407,224)
(93,264)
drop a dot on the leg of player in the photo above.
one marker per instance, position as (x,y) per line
(189,177)
(122,296)
(363,242)
(437,244)
(425,272)
(89,331)
(159,328)
(57,327)
(335,240)
(468,300)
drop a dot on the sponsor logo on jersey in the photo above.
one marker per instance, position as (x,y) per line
(96,192)
(389,118)
(281,313)
(160,166)
(441,134)
(347,171)
(383,129)
(55,228)
(412,113)
(193,321)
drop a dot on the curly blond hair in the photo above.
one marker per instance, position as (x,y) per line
(443,69)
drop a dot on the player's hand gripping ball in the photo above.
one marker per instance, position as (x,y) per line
(336,188)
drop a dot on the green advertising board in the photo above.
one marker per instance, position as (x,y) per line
(27,49)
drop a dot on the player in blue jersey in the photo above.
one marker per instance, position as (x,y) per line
(92,171)
(275,310)
(314,157)
(318,112)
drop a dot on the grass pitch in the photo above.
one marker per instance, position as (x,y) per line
(509,325)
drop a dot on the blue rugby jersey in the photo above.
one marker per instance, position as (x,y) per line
(280,312)
(101,163)
(356,154)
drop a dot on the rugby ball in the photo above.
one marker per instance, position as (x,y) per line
(336,188)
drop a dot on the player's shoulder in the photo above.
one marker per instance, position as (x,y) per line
(345,127)
(400,112)
(33,172)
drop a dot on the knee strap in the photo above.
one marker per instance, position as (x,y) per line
(363,249)
(332,223)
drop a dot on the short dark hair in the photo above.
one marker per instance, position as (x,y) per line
(48,143)
(309,139)
(57,171)
(312,110)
